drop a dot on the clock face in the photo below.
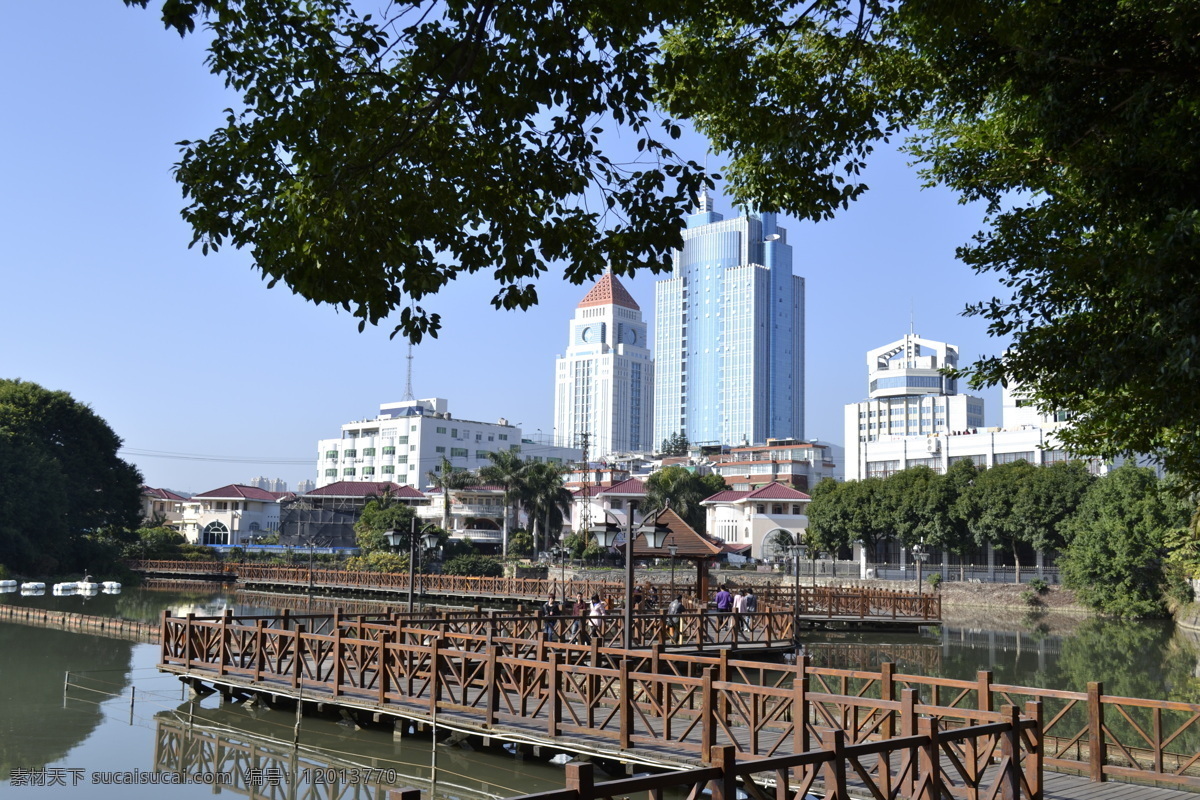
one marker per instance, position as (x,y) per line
(586,335)
(633,337)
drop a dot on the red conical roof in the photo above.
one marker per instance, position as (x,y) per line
(609,291)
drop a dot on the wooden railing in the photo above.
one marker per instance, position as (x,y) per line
(992,760)
(651,697)
(813,601)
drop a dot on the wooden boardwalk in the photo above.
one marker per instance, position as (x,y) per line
(827,605)
(656,707)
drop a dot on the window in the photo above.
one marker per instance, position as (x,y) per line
(441,429)
(368,451)
(481,454)
(368,470)
(401,440)
(761,508)
(454,433)
(331,473)
(439,449)
(388,469)
(479,437)
(351,453)
(331,454)
(516,448)
(616,503)
(503,437)
(777,508)
(389,451)
(221,505)
(458,452)
(795,508)
(402,460)
(348,471)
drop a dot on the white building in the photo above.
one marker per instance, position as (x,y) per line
(409,439)
(911,406)
(905,424)
(801,465)
(754,519)
(233,514)
(604,384)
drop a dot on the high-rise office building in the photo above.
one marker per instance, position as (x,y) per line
(604,384)
(729,334)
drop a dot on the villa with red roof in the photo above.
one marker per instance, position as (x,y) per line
(233,514)
(755,517)
(591,504)
(604,385)
(162,507)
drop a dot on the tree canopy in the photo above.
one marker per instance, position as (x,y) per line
(60,479)
(685,490)
(372,160)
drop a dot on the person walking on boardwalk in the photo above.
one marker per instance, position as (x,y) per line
(581,610)
(739,607)
(595,614)
(550,617)
(673,612)
(750,607)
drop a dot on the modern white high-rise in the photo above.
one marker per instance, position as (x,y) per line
(604,385)
(408,440)
(910,402)
(729,334)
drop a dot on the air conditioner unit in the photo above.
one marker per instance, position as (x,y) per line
(933,444)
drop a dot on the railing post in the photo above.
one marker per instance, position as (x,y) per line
(336,676)
(1010,754)
(554,686)
(725,786)
(581,779)
(433,677)
(908,727)
(1035,758)
(984,690)
(833,740)
(930,765)
(298,657)
(187,640)
(1097,753)
(625,702)
(385,673)
(708,710)
(163,637)
(800,709)
(260,648)
(491,674)
(223,644)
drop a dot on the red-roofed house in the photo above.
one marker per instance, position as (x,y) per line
(234,514)
(162,507)
(476,514)
(616,499)
(801,465)
(325,516)
(741,518)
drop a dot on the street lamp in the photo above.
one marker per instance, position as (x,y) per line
(429,540)
(673,549)
(797,551)
(606,535)
(920,556)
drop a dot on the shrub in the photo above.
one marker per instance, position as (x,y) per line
(379,561)
(934,580)
(473,565)
(1039,586)
(1030,598)
(4,573)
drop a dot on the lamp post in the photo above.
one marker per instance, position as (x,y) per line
(428,540)
(920,556)
(798,551)
(606,536)
(673,549)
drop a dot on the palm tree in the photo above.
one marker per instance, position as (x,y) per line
(448,480)
(685,491)
(507,471)
(547,502)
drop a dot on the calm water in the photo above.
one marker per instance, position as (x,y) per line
(119,716)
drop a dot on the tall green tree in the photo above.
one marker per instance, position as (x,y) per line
(990,505)
(506,470)
(61,480)
(1049,500)
(546,500)
(1116,558)
(377,518)
(685,490)
(449,480)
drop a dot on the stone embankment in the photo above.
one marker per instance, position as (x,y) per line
(128,629)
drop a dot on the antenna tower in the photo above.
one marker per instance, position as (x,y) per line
(585,518)
(408,392)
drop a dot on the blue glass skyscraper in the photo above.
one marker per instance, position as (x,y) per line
(729,334)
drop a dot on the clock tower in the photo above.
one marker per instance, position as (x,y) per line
(604,383)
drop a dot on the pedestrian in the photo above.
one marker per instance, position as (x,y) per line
(550,613)
(595,613)
(580,611)
(724,601)
(739,607)
(674,610)
(750,607)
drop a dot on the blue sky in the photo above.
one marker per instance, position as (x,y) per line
(193,355)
